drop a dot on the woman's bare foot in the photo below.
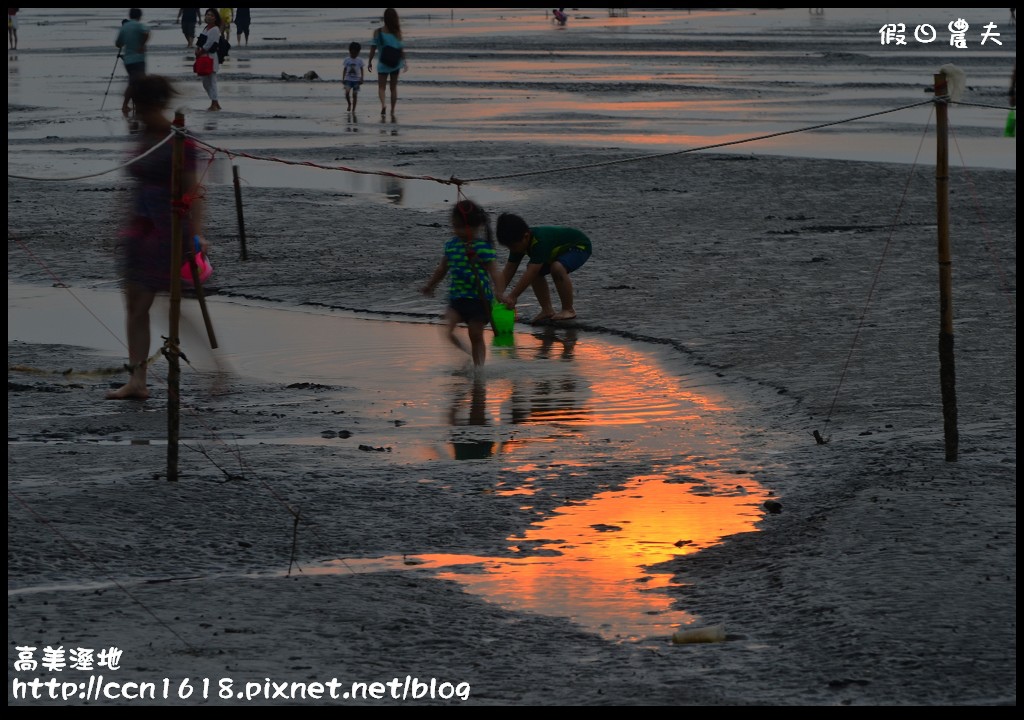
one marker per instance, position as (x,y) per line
(214,106)
(129,391)
(564,315)
(542,317)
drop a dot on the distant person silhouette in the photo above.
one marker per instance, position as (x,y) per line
(243,19)
(226,16)
(189,18)
(131,42)
(387,41)
(207,44)
(353,72)
(12,28)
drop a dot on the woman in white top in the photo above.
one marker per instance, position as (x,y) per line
(207,44)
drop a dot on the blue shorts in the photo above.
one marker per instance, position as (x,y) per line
(135,70)
(352,85)
(571,261)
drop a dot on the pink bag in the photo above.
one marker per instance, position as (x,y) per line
(202,265)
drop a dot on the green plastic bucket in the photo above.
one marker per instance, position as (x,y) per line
(503,319)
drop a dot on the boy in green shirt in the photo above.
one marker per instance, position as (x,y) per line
(554,251)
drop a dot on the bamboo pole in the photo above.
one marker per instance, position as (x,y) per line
(947,365)
(174,370)
(201,297)
(238,210)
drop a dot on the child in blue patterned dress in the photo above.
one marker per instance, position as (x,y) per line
(471,259)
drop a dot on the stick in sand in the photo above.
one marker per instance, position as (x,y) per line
(111,79)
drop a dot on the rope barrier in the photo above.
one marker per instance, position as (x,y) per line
(874,284)
(305,163)
(981,105)
(122,166)
(231,154)
(700,148)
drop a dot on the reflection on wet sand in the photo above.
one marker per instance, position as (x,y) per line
(589,559)
(549,386)
(394,191)
(608,464)
(471,410)
(388,127)
(557,396)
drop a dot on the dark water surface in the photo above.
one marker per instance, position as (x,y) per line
(554,401)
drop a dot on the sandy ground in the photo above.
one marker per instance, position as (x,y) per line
(807,287)
(888,578)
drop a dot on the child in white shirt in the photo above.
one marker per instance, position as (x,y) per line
(352,73)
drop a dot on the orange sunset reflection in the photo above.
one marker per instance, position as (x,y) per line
(588,561)
(648,457)
(588,386)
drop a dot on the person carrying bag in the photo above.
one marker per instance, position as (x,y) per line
(207,56)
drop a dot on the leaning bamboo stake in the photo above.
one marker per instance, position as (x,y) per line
(201,298)
(238,211)
(174,370)
(947,365)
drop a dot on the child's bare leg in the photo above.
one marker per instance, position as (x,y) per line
(540,289)
(453,323)
(138,301)
(476,341)
(563,284)
(348,98)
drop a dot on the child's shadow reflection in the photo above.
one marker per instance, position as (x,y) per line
(467,410)
(470,407)
(551,337)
